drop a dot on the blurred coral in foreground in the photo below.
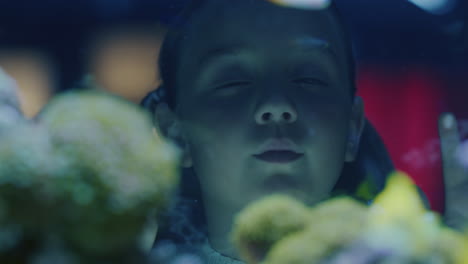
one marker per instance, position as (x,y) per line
(82,183)
(10,112)
(396,228)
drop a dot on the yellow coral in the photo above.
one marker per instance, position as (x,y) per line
(292,233)
(397,224)
(400,190)
(453,246)
(399,221)
(333,225)
(300,248)
(265,222)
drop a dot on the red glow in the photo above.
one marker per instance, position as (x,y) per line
(404,105)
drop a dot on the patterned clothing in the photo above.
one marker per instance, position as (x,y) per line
(213,257)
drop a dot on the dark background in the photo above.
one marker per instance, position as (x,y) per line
(390,31)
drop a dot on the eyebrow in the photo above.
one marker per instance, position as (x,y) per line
(305,44)
(215,54)
(311,44)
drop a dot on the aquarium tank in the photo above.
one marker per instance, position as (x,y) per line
(234,132)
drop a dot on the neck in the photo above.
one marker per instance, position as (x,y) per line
(220,220)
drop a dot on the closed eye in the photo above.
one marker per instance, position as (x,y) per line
(230,88)
(232,84)
(310,82)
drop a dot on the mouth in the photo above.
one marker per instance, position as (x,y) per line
(278,156)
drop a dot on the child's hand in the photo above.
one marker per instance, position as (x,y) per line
(455,174)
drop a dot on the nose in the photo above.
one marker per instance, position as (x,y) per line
(276,110)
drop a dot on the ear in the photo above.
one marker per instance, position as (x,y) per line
(356,127)
(169,126)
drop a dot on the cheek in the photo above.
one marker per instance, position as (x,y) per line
(325,119)
(218,161)
(217,115)
(213,128)
(326,156)
(331,133)
(327,145)
(214,145)
(203,141)
(216,132)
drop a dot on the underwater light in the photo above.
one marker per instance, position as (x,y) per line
(303,4)
(436,7)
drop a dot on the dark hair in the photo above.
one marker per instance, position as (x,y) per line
(185,223)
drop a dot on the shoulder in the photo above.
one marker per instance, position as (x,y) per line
(210,256)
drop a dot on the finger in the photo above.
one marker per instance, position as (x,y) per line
(462,155)
(454,173)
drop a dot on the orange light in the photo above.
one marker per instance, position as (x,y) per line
(34,75)
(124,60)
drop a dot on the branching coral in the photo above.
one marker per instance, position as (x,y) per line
(10,112)
(90,172)
(396,228)
(266,222)
(331,226)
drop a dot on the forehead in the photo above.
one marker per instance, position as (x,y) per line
(261,26)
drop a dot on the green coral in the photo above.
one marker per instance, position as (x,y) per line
(8,91)
(125,154)
(332,225)
(10,111)
(26,171)
(91,172)
(263,224)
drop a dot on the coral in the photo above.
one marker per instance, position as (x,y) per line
(326,231)
(8,91)
(396,228)
(267,221)
(125,154)
(10,111)
(399,221)
(91,173)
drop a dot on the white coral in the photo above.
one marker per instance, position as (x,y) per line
(10,111)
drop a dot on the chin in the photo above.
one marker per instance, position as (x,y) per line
(293,192)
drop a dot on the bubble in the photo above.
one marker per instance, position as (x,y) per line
(303,4)
(425,156)
(437,7)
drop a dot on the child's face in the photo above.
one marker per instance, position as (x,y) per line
(264,101)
